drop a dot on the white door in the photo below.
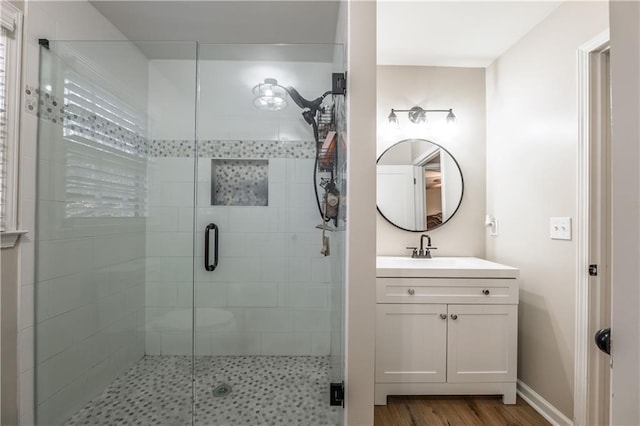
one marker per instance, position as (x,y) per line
(411,343)
(420,203)
(625,237)
(396,195)
(482,343)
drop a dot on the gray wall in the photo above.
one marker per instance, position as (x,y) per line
(462,89)
(532,142)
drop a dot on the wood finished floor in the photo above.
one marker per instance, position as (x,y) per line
(455,411)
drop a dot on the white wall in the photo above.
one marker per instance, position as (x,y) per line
(87,284)
(625,249)
(462,89)
(531,176)
(361,233)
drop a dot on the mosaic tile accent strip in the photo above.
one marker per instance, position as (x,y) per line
(169,148)
(239,182)
(256,149)
(231,149)
(266,390)
(46,106)
(78,122)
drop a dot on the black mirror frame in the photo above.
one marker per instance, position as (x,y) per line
(461,179)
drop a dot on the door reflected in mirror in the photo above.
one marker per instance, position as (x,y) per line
(419,185)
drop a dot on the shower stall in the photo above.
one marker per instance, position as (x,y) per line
(190,233)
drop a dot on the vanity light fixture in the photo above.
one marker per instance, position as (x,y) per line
(418,115)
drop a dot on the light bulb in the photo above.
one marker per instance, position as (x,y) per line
(393,118)
(451,118)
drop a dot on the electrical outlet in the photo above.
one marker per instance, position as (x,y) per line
(560,228)
(493,230)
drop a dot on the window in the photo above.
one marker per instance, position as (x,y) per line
(105,159)
(10,41)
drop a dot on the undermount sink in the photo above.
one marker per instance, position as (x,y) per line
(442,267)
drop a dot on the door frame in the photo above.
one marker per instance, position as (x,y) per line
(583,385)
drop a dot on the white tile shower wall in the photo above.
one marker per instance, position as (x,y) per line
(264,296)
(89,301)
(89,298)
(226,98)
(270,292)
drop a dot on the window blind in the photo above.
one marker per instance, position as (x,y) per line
(10,42)
(105,162)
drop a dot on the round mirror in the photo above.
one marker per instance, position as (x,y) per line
(419,185)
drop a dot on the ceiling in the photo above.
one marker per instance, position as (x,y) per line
(453,33)
(245,22)
(417,32)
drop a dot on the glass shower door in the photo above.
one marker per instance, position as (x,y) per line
(268,286)
(114,239)
(190,233)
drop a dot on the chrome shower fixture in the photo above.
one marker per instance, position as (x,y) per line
(269,95)
(418,115)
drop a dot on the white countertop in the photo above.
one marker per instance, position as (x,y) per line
(441,267)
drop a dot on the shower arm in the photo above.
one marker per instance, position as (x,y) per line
(311,107)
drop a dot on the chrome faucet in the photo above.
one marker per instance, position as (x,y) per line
(425,252)
(422,252)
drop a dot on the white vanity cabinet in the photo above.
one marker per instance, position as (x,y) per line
(446,330)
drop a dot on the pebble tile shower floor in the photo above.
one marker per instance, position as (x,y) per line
(266,390)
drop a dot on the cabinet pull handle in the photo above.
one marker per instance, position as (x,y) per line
(443,316)
(411,291)
(454,317)
(485,292)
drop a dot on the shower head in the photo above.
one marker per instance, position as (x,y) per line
(270,95)
(302,102)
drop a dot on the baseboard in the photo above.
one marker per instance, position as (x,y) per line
(542,406)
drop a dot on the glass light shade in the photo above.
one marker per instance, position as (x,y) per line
(269,95)
(393,119)
(451,118)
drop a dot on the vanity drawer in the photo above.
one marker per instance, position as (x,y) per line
(447,290)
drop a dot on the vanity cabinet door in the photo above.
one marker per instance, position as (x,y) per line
(482,343)
(411,343)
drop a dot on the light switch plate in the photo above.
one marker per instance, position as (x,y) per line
(560,228)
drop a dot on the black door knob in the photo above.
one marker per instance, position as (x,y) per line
(603,340)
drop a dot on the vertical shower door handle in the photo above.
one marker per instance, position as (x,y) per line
(207,231)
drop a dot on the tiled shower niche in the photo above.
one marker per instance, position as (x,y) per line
(239,182)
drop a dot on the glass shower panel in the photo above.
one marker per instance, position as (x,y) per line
(114,243)
(268,329)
